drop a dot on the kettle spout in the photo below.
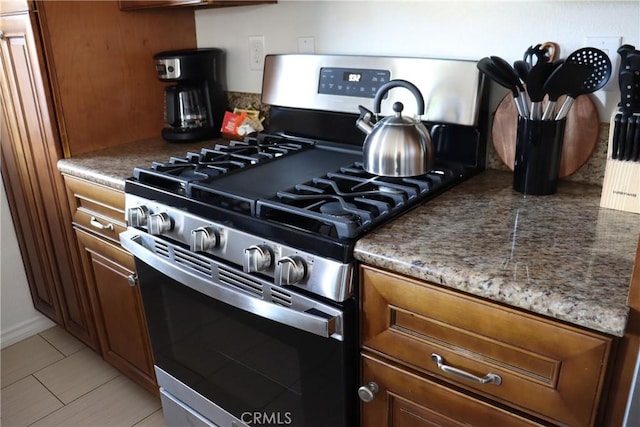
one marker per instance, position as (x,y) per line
(365,122)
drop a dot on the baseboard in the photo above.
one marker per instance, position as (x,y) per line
(24,329)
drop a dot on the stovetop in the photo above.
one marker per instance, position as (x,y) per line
(316,187)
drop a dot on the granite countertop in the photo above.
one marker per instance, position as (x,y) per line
(112,166)
(561,256)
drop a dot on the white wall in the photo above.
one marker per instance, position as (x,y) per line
(446,29)
(18,318)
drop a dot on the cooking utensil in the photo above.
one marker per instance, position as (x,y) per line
(581,134)
(535,86)
(615,139)
(622,137)
(631,133)
(497,74)
(629,79)
(566,78)
(635,153)
(601,73)
(396,146)
(533,54)
(512,78)
(551,51)
(522,69)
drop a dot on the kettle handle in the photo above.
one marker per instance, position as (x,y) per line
(382,91)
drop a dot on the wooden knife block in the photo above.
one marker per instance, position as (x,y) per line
(621,186)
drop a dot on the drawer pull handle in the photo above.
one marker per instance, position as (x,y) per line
(490,378)
(368,392)
(97,224)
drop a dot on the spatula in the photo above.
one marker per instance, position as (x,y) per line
(495,73)
(535,86)
(566,78)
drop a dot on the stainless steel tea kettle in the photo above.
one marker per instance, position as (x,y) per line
(395,146)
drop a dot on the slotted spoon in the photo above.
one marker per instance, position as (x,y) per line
(601,65)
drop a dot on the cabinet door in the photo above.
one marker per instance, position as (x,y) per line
(35,190)
(405,399)
(118,308)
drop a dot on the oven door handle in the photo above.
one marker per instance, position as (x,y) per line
(325,321)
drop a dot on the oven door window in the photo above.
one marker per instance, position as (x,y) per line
(254,368)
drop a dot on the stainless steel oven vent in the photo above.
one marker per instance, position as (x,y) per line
(281,297)
(231,278)
(186,258)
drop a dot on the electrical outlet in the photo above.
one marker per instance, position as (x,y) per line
(306,45)
(256,53)
(609,45)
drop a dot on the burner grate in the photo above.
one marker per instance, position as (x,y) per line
(346,203)
(178,174)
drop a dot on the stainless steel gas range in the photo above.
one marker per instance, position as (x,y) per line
(244,251)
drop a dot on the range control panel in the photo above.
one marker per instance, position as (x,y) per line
(363,83)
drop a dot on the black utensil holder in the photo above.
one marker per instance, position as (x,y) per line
(538,153)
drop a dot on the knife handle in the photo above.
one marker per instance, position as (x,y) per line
(627,90)
(635,154)
(622,136)
(616,136)
(631,133)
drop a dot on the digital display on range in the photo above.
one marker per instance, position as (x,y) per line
(363,83)
(352,77)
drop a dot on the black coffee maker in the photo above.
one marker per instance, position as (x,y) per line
(195,105)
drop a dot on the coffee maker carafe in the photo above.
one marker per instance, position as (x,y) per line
(195,105)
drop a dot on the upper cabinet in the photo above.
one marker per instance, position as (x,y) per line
(101,65)
(149,4)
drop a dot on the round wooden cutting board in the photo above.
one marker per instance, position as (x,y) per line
(580,135)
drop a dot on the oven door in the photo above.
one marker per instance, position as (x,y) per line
(231,349)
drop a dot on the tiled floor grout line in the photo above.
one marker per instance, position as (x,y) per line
(32,374)
(70,402)
(52,393)
(57,349)
(47,388)
(86,393)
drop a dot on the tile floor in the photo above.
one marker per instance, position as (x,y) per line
(52,379)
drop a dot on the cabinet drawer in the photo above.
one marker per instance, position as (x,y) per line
(406,399)
(547,368)
(96,208)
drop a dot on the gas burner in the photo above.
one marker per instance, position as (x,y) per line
(346,203)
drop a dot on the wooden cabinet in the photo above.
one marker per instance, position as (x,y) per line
(523,364)
(104,81)
(30,148)
(408,399)
(98,218)
(149,4)
(74,77)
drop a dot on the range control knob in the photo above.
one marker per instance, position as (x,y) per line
(137,216)
(290,270)
(257,258)
(204,238)
(158,223)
